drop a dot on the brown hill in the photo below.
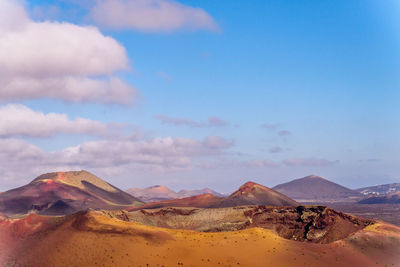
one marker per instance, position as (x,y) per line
(392,198)
(196,192)
(97,238)
(64,193)
(317,189)
(255,194)
(248,194)
(200,201)
(159,193)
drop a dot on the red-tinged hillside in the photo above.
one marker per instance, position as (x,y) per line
(255,194)
(95,238)
(64,193)
(200,201)
(248,194)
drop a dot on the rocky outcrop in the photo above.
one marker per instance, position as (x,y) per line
(317,224)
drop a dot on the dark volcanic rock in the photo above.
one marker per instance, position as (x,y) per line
(317,224)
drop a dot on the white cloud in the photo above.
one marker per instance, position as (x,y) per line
(19,120)
(153,155)
(58,60)
(150,15)
(211,122)
(18,151)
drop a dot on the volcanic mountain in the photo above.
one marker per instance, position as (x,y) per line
(248,194)
(392,198)
(189,193)
(152,193)
(317,189)
(64,193)
(160,193)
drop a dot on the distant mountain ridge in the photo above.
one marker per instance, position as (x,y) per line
(248,194)
(160,193)
(377,190)
(314,188)
(392,198)
(63,193)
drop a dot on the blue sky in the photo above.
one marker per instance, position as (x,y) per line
(296,87)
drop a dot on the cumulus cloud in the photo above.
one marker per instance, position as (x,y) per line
(150,15)
(211,122)
(19,120)
(157,154)
(308,162)
(58,60)
(18,151)
(166,153)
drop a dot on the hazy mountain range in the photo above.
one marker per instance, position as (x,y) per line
(248,194)
(68,192)
(378,190)
(159,193)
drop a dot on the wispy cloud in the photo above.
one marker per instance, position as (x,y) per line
(150,15)
(371,160)
(270,126)
(275,149)
(211,122)
(309,162)
(276,127)
(284,133)
(153,155)
(164,76)
(224,163)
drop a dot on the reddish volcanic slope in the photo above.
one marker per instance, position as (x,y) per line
(248,194)
(200,201)
(255,194)
(64,193)
(96,239)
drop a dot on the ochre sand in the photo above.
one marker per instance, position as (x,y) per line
(93,239)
